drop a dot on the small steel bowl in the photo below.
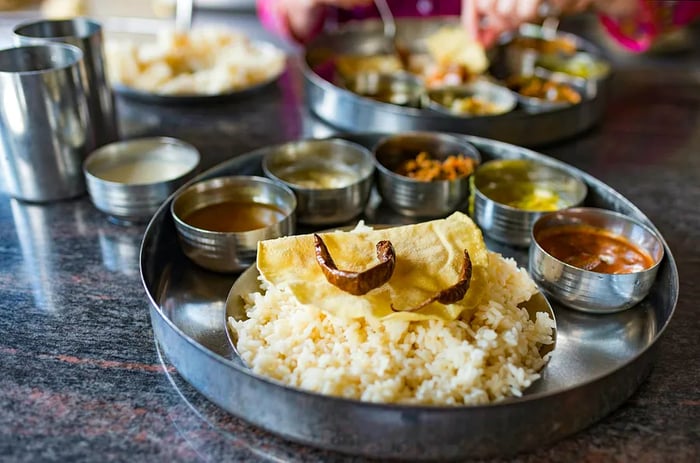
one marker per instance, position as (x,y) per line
(129,180)
(332,179)
(587,290)
(443,99)
(498,184)
(519,56)
(230,251)
(531,104)
(417,198)
(581,65)
(398,88)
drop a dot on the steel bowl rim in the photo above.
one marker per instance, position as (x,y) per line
(473,154)
(565,76)
(604,212)
(181,224)
(443,109)
(402,75)
(76,59)
(95,28)
(577,179)
(158,141)
(360,179)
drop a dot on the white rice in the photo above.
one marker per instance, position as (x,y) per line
(491,354)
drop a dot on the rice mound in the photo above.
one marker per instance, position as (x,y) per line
(490,354)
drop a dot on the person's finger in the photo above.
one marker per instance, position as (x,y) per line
(618,8)
(470,18)
(346,4)
(565,7)
(527,10)
(489,38)
(492,28)
(506,8)
(574,6)
(485,6)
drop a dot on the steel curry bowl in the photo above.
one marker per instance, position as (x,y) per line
(416,197)
(577,271)
(220,221)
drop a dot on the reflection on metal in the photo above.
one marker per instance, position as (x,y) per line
(38,240)
(120,250)
(232,436)
(598,361)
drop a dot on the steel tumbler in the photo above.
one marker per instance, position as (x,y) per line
(85,34)
(45,131)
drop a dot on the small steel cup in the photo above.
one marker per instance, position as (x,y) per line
(512,225)
(399,88)
(85,34)
(44,123)
(416,198)
(582,65)
(230,251)
(132,200)
(331,204)
(442,99)
(587,290)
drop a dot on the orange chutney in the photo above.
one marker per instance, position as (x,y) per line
(594,249)
(234,216)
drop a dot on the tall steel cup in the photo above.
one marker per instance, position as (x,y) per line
(85,34)
(45,131)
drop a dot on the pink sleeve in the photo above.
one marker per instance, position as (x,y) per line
(638,32)
(273,17)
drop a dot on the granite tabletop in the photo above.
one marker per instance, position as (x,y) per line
(81,378)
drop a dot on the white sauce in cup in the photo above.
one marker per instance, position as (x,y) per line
(153,166)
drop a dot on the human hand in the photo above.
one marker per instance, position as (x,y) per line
(485,20)
(303,18)
(344,4)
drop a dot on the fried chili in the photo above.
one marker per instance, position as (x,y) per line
(454,293)
(357,283)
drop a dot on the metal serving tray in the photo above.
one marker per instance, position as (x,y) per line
(349,111)
(598,362)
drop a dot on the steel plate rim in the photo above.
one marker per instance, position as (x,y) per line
(447,409)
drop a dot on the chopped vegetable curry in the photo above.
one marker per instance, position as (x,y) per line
(423,167)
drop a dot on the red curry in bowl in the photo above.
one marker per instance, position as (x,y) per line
(594,249)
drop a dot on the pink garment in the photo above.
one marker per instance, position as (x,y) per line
(402,9)
(273,18)
(654,18)
(635,33)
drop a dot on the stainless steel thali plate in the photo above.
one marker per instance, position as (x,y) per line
(598,362)
(349,111)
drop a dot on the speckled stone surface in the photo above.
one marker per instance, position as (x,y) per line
(80,374)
